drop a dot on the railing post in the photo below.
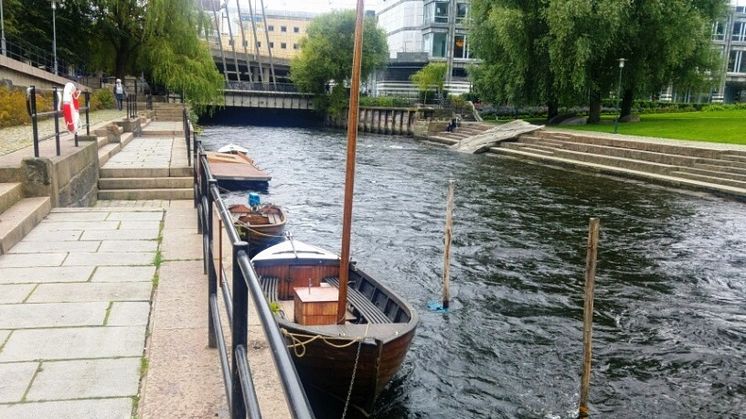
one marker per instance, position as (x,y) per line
(87,109)
(32,112)
(239,328)
(212,274)
(55,103)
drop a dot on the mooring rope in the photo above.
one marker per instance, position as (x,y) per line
(257,232)
(298,343)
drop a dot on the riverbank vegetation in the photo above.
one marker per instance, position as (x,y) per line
(566,53)
(724,126)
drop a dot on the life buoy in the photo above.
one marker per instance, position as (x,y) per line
(71,107)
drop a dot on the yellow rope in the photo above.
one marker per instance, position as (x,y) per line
(246,226)
(298,343)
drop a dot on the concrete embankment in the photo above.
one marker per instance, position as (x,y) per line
(711,167)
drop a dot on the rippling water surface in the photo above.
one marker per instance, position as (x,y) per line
(670,307)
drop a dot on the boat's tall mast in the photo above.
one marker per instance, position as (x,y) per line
(352,116)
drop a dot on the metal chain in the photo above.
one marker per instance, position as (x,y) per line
(352,380)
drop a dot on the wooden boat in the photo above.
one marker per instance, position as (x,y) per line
(260,226)
(350,339)
(377,323)
(236,171)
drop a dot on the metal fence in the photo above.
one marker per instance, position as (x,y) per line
(55,113)
(226,261)
(253,86)
(23,51)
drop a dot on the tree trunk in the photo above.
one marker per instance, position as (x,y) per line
(552,109)
(594,110)
(627,99)
(122,58)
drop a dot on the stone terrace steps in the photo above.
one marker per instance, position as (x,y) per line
(714,169)
(18,215)
(466,130)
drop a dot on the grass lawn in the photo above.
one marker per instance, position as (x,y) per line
(718,126)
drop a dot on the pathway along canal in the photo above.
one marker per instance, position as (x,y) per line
(670,322)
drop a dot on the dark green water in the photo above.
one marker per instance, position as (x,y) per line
(670,307)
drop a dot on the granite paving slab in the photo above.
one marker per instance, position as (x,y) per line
(120,408)
(128,246)
(109,259)
(89,378)
(55,246)
(149,234)
(129,314)
(90,342)
(45,274)
(20,260)
(15,293)
(14,379)
(55,236)
(123,274)
(21,316)
(92,291)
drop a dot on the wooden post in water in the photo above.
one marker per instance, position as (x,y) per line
(447,253)
(590,277)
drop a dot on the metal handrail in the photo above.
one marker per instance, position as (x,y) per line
(56,113)
(240,391)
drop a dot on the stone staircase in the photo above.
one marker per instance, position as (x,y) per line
(143,184)
(19,215)
(168,111)
(111,139)
(719,169)
(466,130)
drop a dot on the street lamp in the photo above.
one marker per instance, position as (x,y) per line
(619,95)
(54,35)
(2,29)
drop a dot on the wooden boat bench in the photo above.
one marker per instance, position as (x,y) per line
(370,312)
(274,218)
(269,287)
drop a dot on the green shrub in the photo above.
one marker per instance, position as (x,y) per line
(385,102)
(102,99)
(13,109)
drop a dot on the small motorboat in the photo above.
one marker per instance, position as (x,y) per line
(260,225)
(236,170)
(233,149)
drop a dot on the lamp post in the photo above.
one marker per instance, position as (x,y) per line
(54,35)
(2,29)
(619,95)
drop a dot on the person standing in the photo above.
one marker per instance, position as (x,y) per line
(119,93)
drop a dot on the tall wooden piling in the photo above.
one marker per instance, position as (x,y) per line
(590,278)
(447,253)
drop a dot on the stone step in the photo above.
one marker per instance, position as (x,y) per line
(734,157)
(529,139)
(10,193)
(714,173)
(107,151)
(710,179)
(142,172)
(146,183)
(442,140)
(665,148)
(531,148)
(126,138)
(725,163)
(20,219)
(143,194)
(720,168)
(162,133)
(624,162)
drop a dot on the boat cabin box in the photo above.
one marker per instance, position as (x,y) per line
(315,305)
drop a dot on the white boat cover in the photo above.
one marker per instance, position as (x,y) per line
(294,249)
(230,148)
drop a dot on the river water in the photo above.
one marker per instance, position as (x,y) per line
(670,307)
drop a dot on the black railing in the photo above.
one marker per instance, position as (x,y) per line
(188,135)
(253,86)
(23,51)
(55,113)
(214,221)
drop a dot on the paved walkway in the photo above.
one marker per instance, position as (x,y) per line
(18,137)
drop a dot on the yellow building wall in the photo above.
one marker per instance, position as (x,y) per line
(285,45)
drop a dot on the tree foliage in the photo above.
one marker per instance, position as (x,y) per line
(326,56)
(119,26)
(432,76)
(174,54)
(567,50)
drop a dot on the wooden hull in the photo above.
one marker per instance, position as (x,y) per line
(236,171)
(328,370)
(378,322)
(261,236)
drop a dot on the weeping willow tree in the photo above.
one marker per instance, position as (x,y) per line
(175,55)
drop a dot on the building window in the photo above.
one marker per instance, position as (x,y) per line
(441,12)
(258,44)
(439,44)
(738,31)
(718,31)
(732,60)
(283,28)
(271,45)
(271,28)
(296,29)
(462,10)
(460,48)
(742,62)
(283,45)
(295,46)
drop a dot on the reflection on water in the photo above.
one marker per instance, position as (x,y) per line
(670,320)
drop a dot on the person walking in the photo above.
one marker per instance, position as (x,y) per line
(119,93)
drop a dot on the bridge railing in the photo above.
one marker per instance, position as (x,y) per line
(261,87)
(55,113)
(231,265)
